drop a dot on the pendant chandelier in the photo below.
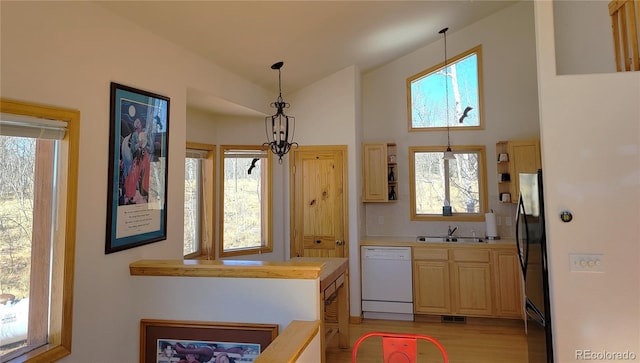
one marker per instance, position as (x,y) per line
(448,154)
(280,127)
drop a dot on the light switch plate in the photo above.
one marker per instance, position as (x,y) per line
(593,262)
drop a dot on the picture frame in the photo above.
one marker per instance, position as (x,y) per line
(169,341)
(138,150)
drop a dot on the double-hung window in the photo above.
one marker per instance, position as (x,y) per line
(245,200)
(198,200)
(38,183)
(459,183)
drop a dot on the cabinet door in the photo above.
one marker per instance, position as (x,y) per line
(471,284)
(374,173)
(431,287)
(508,284)
(524,157)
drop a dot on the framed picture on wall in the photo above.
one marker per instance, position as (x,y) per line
(169,341)
(138,150)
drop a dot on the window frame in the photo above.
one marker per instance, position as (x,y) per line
(453,126)
(482,183)
(267,231)
(60,298)
(206,245)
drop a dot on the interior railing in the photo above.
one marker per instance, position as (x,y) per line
(625,17)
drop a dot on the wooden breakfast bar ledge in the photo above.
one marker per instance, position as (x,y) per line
(333,274)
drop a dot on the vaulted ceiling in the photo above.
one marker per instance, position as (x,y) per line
(313,38)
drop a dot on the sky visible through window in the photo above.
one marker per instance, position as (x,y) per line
(428,102)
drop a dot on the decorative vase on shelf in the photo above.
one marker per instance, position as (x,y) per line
(392,193)
(392,176)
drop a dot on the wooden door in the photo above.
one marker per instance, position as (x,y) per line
(318,201)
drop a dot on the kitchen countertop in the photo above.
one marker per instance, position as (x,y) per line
(410,241)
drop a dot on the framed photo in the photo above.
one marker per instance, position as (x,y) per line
(138,150)
(173,341)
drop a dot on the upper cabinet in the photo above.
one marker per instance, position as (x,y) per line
(379,172)
(515,157)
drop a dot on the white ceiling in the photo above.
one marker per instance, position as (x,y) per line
(313,38)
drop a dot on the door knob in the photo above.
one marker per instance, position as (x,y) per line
(339,243)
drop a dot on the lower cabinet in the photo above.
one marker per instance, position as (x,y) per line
(467,281)
(508,293)
(431,282)
(471,282)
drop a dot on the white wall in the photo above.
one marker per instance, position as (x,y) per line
(220,300)
(66,54)
(201,298)
(583,37)
(510,110)
(311,352)
(328,113)
(591,156)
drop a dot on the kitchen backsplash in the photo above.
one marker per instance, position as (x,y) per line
(389,220)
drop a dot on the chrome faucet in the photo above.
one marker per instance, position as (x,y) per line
(450,231)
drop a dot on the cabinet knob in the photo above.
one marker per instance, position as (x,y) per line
(339,243)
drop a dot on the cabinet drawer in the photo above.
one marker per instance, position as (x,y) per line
(471,254)
(439,254)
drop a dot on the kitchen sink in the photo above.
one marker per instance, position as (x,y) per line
(436,239)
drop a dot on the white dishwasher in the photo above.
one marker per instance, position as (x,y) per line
(387,283)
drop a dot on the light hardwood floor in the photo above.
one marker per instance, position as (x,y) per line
(473,342)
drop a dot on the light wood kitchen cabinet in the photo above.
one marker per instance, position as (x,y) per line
(508,284)
(471,282)
(475,281)
(379,172)
(431,281)
(515,157)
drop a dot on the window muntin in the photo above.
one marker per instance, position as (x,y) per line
(461,182)
(198,200)
(427,105)
(245,185)
(48,191)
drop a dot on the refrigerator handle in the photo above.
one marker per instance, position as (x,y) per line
(518,238)
(523,251)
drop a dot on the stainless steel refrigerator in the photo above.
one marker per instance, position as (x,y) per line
(532,250)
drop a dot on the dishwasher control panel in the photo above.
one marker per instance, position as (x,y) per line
(387,253)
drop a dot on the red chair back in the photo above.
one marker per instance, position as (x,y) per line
(399,348)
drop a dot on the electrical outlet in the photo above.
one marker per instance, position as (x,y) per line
(586,262)
(380,219)
(507,220)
